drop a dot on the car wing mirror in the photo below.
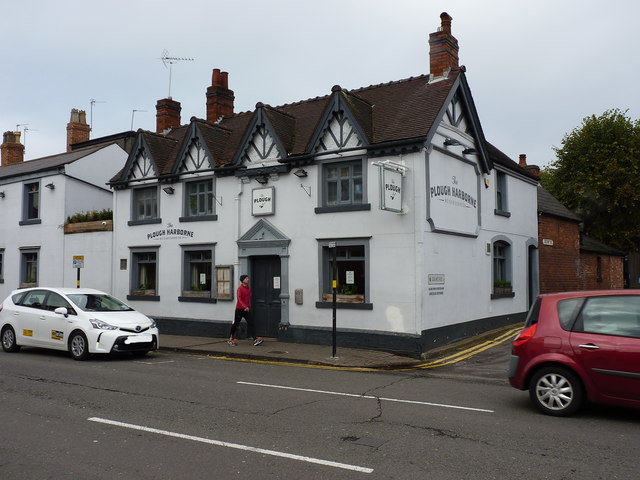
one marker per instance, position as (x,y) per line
(61,311)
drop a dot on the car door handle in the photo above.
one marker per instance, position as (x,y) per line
(589,346)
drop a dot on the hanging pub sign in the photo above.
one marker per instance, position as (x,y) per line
(390,188)
(263,201)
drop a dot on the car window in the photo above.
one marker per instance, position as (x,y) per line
(612,315)
(33,298)
(91,302)
(567,311)
(16,299)
(534,311)
(54,301)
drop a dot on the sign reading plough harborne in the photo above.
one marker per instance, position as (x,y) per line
(453,196)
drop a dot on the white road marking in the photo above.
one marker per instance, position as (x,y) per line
(150,362)
(219,443)
(369,397)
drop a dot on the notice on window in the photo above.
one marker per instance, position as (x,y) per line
(203,278)
(276,283)
(350,280)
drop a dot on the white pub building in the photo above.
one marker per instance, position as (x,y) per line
(433,230)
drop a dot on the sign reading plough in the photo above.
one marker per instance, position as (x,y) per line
(390,190)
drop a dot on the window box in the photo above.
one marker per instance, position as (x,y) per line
(343,298)
(196,293)
(144,292)
(502,290)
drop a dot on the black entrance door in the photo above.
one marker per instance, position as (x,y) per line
(265,294)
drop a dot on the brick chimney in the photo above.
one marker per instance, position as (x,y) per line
(533,169)
(78,130)
(219,97)
(167,114)
(443,48)
(11,148)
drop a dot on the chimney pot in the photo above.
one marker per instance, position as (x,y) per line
(215,78)
(445,20)
(167,114)
(219,97)
(523,160)
(77,129)
(443,48)
(12,151)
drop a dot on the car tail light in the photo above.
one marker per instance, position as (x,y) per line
(525,335)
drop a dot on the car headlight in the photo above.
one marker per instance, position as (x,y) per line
(153,323)
(102,325)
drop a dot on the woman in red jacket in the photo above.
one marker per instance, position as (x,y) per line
(243,306)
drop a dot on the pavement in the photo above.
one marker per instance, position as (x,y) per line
(346,358)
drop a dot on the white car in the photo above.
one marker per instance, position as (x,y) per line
(79,320)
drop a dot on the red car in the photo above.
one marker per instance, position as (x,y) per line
(577,347)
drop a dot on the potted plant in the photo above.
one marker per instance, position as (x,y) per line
(347,293)
(144,289)
(502,286)
(197,290)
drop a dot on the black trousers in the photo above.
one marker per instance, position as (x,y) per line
(237,318)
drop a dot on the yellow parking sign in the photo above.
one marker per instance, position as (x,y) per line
(78,261)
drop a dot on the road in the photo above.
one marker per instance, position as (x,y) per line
(176,416)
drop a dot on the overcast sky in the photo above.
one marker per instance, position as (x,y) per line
(535,68)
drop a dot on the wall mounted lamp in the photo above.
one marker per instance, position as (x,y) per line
(469,151)
(449,142)
(262,179)
(300,173)
(2,194)
(50,186)
(168,190)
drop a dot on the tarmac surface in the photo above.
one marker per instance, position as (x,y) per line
(484,355)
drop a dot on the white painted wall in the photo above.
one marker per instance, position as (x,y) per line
(80,189)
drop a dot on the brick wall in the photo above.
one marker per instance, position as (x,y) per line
(563,267)
(609,276)
(559,263)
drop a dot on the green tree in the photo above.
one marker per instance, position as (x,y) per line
(597,175)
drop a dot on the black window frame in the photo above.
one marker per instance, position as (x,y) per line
(31,214)
(25,263)
(144,256)
(501,269)
(502,195)
(352,203)
(154,217)
(189,294)
(325,272)
(188,214)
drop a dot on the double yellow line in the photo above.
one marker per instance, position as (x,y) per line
(440,362)
(469,352)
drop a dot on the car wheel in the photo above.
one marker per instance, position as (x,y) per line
(9,340)
(556,391)
(78,346)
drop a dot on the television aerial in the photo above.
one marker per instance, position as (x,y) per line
(168,59)
(93,101)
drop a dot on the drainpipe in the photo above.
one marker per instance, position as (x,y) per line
(238,199)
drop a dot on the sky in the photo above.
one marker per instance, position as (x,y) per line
(535,69)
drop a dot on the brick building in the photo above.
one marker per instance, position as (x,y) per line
(568,259)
